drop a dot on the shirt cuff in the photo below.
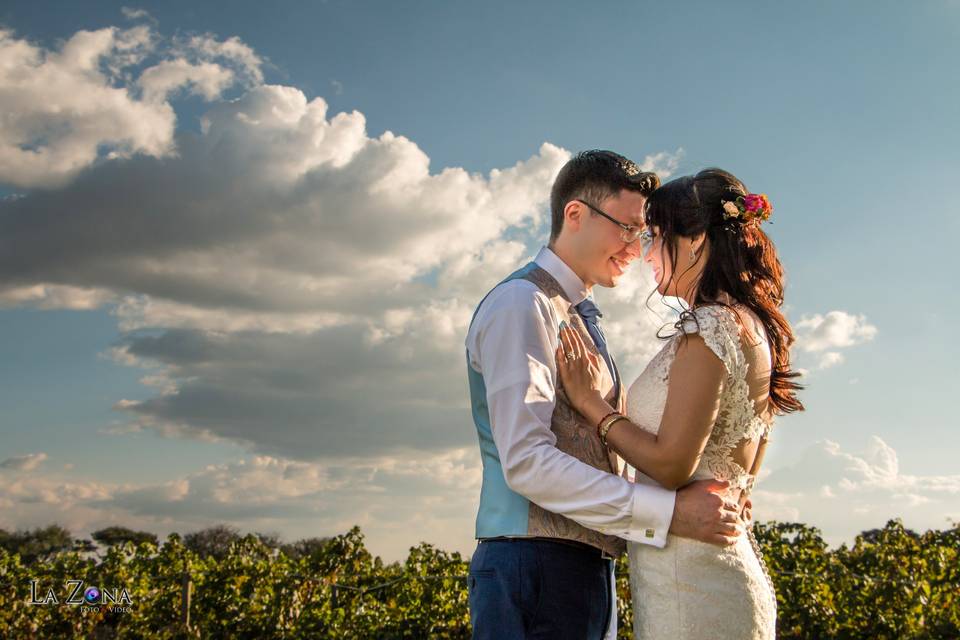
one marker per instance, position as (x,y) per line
(652,514)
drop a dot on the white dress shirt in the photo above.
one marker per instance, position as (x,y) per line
(512,343)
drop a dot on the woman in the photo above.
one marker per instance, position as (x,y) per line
(704,405)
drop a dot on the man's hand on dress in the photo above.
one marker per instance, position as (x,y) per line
(702,512)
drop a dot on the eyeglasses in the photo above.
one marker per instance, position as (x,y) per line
(628,233)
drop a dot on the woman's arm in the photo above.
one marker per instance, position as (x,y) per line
(693,400)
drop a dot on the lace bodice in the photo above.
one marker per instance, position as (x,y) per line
(736,421)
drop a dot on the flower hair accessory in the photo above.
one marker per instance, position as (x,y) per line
(753,207)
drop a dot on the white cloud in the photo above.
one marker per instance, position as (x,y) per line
(53,296)
(823,335)
(137,14)
(45,496)
(233,49)
(276,210)
(27,462)
(664,163)
(66,109)
(59,107)
(205,79)
(403,500)
(834,330)
(830,359)
(844,494)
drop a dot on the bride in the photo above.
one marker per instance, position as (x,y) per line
(704,405)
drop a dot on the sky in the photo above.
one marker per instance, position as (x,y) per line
(240,244)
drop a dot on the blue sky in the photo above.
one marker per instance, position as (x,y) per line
(843,113)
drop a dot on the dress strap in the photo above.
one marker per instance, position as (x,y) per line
(720,331)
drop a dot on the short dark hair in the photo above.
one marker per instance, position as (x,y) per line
(594,176)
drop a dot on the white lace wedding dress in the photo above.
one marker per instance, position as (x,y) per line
(690,589)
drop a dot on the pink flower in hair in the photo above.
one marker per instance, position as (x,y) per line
(753,203)
(766,209)
(751,208)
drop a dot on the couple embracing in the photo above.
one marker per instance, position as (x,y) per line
(580,466)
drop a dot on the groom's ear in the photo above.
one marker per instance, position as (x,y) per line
(573,215)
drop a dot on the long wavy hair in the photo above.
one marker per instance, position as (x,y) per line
(742,263)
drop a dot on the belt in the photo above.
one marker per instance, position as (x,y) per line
(580,546)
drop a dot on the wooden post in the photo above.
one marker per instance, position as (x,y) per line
(187,588)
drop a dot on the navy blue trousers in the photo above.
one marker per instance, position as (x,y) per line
(528,589)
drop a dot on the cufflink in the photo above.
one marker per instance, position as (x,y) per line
(648,533)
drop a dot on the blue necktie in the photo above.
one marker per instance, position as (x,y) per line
(590,314)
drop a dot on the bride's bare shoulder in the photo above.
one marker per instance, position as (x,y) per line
(753,333)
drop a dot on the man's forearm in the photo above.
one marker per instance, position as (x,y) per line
(595,499)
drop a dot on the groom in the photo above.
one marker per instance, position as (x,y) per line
(554,513)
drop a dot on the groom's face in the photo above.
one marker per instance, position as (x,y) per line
(604,255)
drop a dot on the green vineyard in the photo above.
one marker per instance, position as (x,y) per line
(891,583)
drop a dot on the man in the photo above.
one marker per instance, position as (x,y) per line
(553,512)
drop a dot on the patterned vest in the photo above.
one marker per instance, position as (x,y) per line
(503,512)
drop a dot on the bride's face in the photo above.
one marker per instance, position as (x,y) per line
(656,255)
(671,279)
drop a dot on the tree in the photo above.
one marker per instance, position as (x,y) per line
(304,548)
(37,544)
(111,536)
(83,545)
(271,540)
(213,541)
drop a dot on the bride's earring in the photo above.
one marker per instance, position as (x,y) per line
(693,255)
